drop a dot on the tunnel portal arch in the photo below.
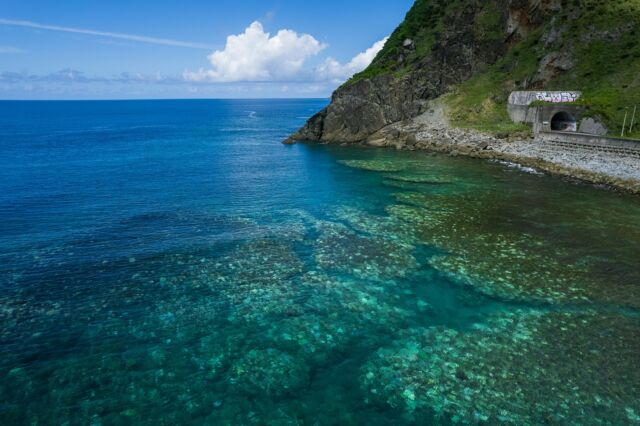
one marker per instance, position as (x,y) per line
(564,122)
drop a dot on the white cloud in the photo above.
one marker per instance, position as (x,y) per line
(256,56)
(130,37)
(334,70)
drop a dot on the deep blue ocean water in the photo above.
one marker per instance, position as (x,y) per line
(171,262)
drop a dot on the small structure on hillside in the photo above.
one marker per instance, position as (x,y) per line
(553,112)
(559,118)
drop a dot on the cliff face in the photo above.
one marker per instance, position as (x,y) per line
(497,45)
(362,108)
(458,50)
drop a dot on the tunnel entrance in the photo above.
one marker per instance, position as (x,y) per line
(564,122)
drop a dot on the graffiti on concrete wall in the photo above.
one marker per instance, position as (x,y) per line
(557,97)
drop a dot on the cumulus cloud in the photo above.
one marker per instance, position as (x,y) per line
(257,56)
(334,70)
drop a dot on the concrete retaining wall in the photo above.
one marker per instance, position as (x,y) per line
(546,112)
(522,113)
(588,140)
(519,108)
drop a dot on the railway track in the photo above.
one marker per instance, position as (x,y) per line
(632,152)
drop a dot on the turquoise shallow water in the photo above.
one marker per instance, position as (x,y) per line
(170,262)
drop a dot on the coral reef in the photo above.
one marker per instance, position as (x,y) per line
(341,249)
(499,260)
(469,302)
(521,368)
(268,372)
(374,165)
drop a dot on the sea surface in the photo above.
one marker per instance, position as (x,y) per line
(172,263)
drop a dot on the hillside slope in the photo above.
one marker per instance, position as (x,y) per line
(476,52)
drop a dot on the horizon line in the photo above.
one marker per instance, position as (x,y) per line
(167,99)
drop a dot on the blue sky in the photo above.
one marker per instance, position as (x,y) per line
(72,49)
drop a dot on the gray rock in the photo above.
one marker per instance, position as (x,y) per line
(553,64)
(553,35)
(610,35)
(592,126)
(361,109)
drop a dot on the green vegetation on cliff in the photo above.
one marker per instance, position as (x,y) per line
(599,40)
(421,25)
(587,45)
(424,23)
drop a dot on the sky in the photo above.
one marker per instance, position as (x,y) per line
(143,49)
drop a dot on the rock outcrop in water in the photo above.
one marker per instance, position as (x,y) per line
(460,50)
(477,52)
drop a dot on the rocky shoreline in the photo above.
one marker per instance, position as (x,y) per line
(431,132)
(441,64)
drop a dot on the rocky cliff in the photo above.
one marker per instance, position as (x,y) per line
(476,52)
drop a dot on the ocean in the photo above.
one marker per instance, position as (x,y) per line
(171,262)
